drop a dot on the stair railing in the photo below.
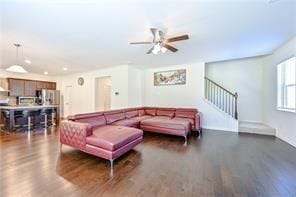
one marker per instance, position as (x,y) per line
(221,97)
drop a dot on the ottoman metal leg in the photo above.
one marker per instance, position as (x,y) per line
(111,169)
(185,137)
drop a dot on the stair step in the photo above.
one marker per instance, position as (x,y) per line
(256,128)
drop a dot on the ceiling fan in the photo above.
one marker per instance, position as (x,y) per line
(161,43)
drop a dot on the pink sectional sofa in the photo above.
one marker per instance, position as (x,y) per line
(110,134)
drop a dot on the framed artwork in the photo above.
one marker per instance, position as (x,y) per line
(170,77)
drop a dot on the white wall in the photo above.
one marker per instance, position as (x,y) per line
(243,76)
(83,97)
(189,95)
(135,88)
(284,122)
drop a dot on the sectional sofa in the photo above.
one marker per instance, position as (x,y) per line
(110,134)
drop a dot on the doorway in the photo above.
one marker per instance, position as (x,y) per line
(103,93)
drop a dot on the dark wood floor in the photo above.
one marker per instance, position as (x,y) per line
(216,164)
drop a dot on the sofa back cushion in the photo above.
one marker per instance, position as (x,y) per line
(141,112)
(151,112)
(185,113)
(131,114)
(164,112)
(94,121)
(114,116)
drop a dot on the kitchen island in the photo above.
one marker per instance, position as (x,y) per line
(11,115)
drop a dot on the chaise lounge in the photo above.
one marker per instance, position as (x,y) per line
(111,134)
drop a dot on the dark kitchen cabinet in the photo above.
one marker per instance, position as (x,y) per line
(52,86)
(40,85)
(16,87)
(24,87)
(30,88)
(46,85)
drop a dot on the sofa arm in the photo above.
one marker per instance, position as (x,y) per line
(74,133)
(197,122)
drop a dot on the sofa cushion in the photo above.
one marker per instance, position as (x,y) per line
(140,118)
(141,112)
(128,122)
(83,116)
(166,122)
(93,121)
(191,121)
(112,137)
(151,112)
(112,117)
(131,114)
(182,113)
(163,112)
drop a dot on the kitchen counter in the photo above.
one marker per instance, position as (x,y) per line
(10,112)
(19,107)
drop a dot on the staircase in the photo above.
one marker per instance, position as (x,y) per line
(222,98)
(226,101)
(256,128)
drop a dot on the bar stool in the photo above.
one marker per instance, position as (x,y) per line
(39,118)
(19,120)
(44,115)
(30,117)
(52,116)
(5,119)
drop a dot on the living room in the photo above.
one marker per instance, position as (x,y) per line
(171,98)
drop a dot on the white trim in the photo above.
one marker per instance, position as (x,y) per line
(220,129)
(286,139)
(286,110)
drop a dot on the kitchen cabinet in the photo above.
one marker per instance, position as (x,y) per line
(24,87)
(16,87)
(46,85)
(30,88)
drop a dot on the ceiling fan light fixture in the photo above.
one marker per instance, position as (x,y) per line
(16,68)
(157,47)
(155,52)
(163,49)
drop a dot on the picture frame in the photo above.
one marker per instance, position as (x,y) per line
(170,77)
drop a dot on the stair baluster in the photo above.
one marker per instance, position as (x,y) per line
(221,97)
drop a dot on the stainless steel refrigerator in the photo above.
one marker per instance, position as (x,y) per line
(48,97)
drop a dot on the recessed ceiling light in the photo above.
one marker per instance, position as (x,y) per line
(45,72)
(65,68)
(28,61)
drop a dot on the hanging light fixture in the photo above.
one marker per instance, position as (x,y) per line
(163,49)
(156,49)
(15,67)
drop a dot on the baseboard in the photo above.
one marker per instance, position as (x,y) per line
(220,129)
(289,141)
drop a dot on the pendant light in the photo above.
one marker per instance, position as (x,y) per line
(15,67)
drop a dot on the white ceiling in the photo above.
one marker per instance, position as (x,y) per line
(87,35)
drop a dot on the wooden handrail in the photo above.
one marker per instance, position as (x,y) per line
(221,97)
(228,91)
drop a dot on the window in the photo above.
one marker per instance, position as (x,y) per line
(286,75)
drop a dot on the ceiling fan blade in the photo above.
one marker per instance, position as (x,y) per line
(141,42)
(169,47)
(150,50)
(177,38)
